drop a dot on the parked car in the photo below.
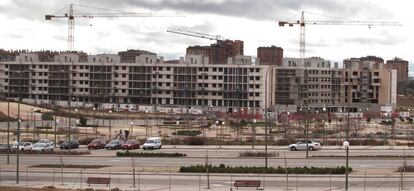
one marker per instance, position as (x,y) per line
(4,147)
(23,146)
(114,144)
(73,144)
(131,144)
(97,144)
(152,143)
(301,145)
(46,141)
(42,147)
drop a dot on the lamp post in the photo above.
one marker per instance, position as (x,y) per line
(265,111)
(8,131)
(131,129)
(345,144)
(254,133)
(94,125)
(109,120)
(56,122)
(324,130)
(146,124)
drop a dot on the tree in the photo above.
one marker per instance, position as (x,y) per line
(83,121)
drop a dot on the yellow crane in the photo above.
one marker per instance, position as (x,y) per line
(71,15)
(302,23)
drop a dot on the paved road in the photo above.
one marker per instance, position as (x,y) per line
(377,163)
(199,181)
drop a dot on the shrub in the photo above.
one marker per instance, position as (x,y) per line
(195,141)
(188,132)
(258,154)
(83,121)
(406,168)
(257,170)
(148,154)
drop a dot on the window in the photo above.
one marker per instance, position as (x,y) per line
(123,67)
(123,83)
(124,75)
(116,83)
(116,67)
(81,67)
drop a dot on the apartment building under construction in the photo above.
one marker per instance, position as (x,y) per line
(136,78)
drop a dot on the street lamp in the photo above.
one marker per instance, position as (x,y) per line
(110,128)
(146,123)
(254,133)
(56,122)
(324,130)
(94,124)
(345,144)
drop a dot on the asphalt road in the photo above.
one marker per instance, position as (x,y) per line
(229,156)
(216,182)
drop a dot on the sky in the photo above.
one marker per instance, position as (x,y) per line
(254,22)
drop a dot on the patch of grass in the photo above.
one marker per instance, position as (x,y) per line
(67,166)
(148,154)
(258,170)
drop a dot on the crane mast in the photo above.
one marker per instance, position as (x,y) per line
(302,23)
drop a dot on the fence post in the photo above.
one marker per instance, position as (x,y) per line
(297,180)
(61,167)
(26,179)
(169,180)
(330,180)
(53,178)
(81,178)
(365,178)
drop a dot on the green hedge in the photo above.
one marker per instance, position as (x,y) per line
(188,132)
(148,154)
(257,170)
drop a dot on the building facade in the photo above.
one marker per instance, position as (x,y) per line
(270,55)
(136,78)
(142,79)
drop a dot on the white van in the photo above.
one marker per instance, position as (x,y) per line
(152,143)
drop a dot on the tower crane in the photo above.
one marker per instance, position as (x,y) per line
(196,34)
(302,23)
(71,15)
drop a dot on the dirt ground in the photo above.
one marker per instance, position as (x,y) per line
(24,110)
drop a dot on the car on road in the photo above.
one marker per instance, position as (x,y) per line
(97,144)
(23,146)
(42,147)
(152,143)
(131,144)
(301,145)
(73,144)
(4,147)
(46,141)
(114,144)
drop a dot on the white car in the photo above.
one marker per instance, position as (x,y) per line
(46,141)
(23,146)
(152,143)
(301,145)
(42,147)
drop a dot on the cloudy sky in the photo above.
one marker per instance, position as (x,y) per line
(253,21)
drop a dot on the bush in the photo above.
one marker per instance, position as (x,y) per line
(195,141)
(188,132)
(406,168)
(148,154)
(83,121)
(257,170)
(258,154)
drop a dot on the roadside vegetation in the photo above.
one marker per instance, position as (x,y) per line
(149,154)
(258,170)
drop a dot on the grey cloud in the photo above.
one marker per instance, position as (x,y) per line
(255,9)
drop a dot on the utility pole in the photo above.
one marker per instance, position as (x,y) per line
(8,131)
